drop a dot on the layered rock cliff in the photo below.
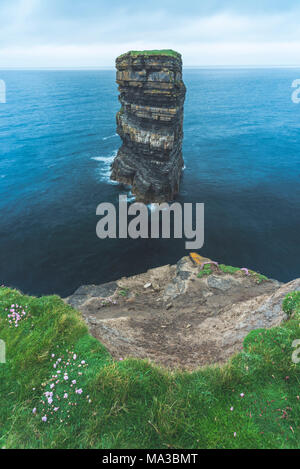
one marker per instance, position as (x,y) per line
(150,124)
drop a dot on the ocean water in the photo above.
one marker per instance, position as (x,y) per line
(57,140)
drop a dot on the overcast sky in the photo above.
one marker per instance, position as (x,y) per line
(91,33)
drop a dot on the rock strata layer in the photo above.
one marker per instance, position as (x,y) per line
(150,124)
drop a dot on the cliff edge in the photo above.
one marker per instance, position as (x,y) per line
(150,124)
(183,315)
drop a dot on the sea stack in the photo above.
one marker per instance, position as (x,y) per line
(150,124)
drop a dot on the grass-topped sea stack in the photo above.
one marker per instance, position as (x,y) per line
(150,124)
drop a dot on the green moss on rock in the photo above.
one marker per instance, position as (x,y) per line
(228,269)
(207,270)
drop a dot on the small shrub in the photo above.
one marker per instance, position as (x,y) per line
(291,303)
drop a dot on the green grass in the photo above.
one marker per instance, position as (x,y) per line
(163,52)
(259,278)
(207,270)
(138,405)
(227,269)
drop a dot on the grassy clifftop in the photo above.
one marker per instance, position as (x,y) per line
(61,389)
(163,52)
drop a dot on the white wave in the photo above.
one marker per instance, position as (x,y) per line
(154,207)
(104,169)
(110,136)
(104,159)
(130,196)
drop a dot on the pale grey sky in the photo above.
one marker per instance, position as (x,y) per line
(90,33)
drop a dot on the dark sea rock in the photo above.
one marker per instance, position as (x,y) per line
(150,124)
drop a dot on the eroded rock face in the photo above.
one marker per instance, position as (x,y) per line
(150,124)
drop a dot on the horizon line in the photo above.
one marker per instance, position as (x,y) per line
(110,67)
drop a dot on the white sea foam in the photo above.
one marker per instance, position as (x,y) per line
(104,159)
(104,168)
(153,207)
(130,196)
(110,136)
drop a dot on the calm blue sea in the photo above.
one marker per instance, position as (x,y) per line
(57,140)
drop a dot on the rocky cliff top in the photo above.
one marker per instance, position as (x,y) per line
(182,315)
(155,52)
